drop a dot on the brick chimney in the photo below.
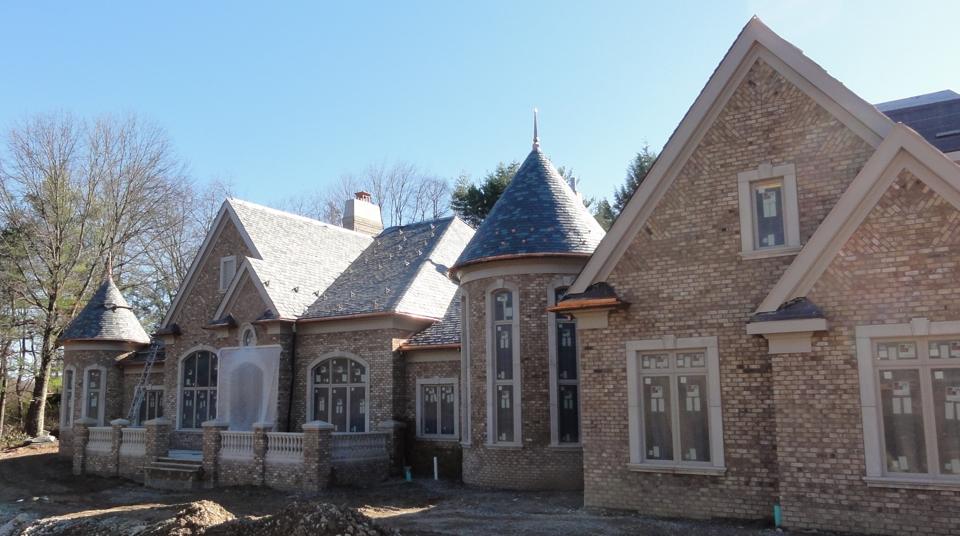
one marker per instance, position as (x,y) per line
(361,215)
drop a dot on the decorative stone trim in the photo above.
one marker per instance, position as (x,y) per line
(788,336)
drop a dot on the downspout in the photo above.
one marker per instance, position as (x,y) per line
(293,376)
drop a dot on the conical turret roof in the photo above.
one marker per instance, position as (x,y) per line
(106,317)
(538,215)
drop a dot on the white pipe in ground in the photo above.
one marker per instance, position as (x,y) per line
(435,468)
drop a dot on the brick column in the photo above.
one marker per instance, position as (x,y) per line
(317,451)
(394,441)
(212,441)
(157,440)
(260,430)
(81,434)
(116,436)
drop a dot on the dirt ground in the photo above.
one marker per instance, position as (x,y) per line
(34,480)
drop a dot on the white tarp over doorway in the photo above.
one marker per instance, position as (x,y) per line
(247,385)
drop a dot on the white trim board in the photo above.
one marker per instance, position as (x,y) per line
(245,268)
(902,149)
(756,41)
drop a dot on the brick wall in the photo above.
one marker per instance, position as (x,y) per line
(536,465)
(113,382)
(684,277)
(902,263)
(420,452)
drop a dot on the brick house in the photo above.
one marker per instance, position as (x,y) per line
(772,322)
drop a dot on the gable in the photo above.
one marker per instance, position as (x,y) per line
(902,151)
(755,42)
(902,258)
(246,300)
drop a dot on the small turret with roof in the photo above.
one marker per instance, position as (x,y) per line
(106,317)
(538,214)
(523,422)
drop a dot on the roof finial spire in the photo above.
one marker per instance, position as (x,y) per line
(109,266)
(536,135)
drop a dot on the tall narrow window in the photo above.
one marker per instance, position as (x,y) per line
(228,268)
(94,389)
(437,409)
(769,211)
(505,367)
(339,394)
(198,388)
(769,228)
(68,398)
(568,382)
(151,407)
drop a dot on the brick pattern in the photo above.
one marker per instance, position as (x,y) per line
(684,276)
(902,263)
(536,465)
(114,407)
(420,452)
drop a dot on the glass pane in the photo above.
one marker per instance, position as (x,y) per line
(214,369)
(339,370)
(903,421)
(658,430)
(93,404)
(655,361)
(568,430)
(190,371)
(503,305)
(203,369)
(321,373)
(447,410)
(430,405)
(321,410)
(93,380)
(694,431)
(186,410)
(202,405)
(504,413)
(358,373)
(769,203)
(946,409)
(158,408)
(566,350)
(945,349)
(896,350)
(338,409)
(144,407)
(503,343)
(358,409)
(248,337)
(691,360)
(213,401)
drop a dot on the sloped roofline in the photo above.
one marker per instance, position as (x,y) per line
(226,212)
(756,41)
(245,268)
(902,149)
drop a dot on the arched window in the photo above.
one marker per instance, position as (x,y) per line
(248,336)
(339,394)
(198,389)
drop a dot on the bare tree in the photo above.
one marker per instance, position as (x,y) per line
(70,194)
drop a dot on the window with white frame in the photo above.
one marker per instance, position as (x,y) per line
(566,379)
(228,268)
(248,336)
(198,389)
(94,394)
(912,402)
(505,365)
(675,415)
(338,388)
(437,408)
(67,398)
(151,407)
(769,211)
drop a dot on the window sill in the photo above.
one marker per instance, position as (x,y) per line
(435,439)
(911,483)
(504,446)
(676,469)
(768,253)
(565,446)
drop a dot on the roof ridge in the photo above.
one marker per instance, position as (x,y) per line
(423,263)
(291,215)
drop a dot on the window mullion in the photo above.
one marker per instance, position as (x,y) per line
(929,421)
(675,413)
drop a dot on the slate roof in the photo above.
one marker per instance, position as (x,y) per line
(442,333)
(300,256)
(106,317)
(404,270)
(795,309)
(935,116)
(537,214)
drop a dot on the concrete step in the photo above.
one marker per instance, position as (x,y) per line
(179,462)
(169,473)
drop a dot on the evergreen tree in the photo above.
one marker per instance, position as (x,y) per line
(636,172)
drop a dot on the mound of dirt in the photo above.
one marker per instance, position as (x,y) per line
(303,518)
(195,519)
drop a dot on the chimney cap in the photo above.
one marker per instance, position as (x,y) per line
(363,196)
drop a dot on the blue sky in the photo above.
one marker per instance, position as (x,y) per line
(281,98)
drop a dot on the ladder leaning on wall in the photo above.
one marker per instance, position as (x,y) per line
(139,392)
